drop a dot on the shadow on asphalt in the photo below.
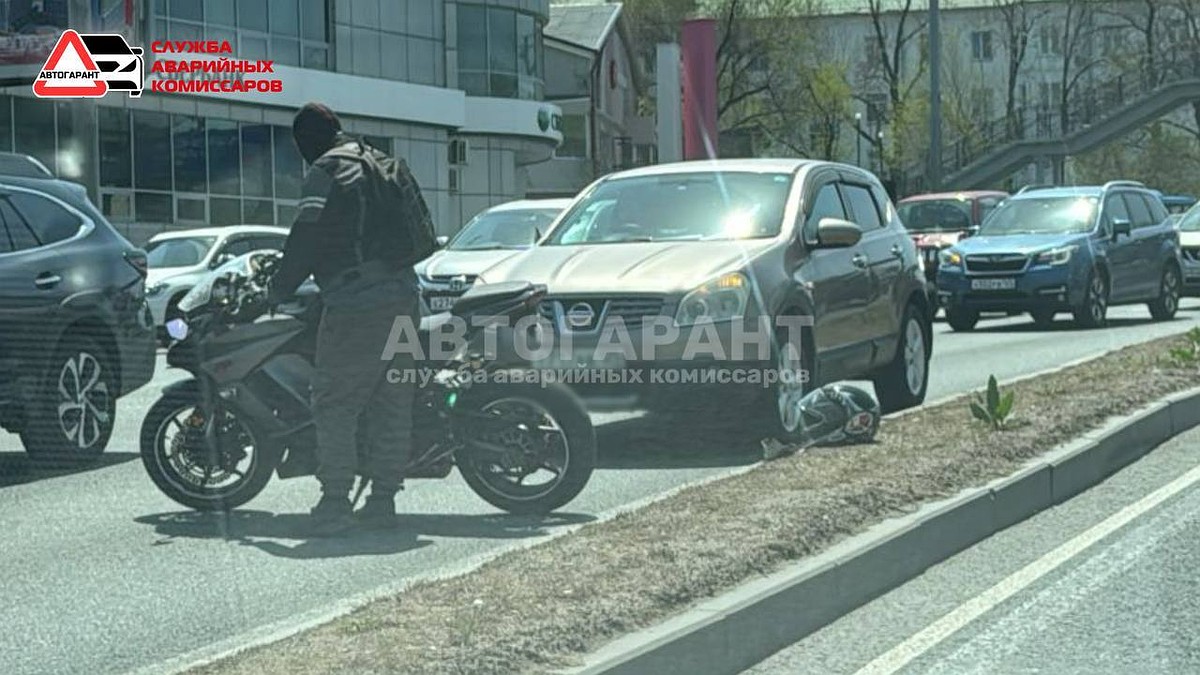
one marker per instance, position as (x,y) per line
(674,441)
(16,468)
(287,534)
(1063,325)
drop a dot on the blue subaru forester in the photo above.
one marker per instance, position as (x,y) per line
(1077,250)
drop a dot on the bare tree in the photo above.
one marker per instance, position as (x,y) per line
(1078,53)
(1186,18)
(1018,19)
(895,24)
(1145,18)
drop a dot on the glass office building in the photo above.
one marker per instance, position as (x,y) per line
(455,88)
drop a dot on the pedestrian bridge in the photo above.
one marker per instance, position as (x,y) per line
(1097,116)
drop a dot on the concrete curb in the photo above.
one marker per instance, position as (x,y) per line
(738,629)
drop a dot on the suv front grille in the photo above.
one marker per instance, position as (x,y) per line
(992,264)
(632,311)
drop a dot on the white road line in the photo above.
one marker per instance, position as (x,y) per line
(912,648)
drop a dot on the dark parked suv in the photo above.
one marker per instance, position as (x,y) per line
(75,331)
(1076,250)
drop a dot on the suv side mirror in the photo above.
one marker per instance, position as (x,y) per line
(442,240)
(837,233)
(1121,226)
(970,232)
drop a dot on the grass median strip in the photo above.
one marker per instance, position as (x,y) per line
(542,607)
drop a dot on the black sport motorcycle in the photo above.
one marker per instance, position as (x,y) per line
(213,441)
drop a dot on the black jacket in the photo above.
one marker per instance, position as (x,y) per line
(324,238)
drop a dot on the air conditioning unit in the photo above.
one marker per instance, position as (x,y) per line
(453,182)
(458,151)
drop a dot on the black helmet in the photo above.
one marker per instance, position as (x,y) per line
(839,413)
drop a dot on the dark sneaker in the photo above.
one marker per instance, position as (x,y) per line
(332,515)
(377,513)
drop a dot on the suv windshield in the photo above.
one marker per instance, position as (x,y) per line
(1046,215)
(1190,222)
(941,215)
(503,229)
(182,252)
(678,207)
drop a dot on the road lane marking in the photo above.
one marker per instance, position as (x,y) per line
(906,652)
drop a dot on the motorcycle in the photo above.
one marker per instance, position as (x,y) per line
(213,441)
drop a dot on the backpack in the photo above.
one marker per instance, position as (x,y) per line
(397,227)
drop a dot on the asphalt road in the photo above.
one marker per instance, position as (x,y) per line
(1104,583)
(103,574)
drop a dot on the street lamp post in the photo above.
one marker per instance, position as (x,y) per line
(935,95)
(880,137)
(858,136)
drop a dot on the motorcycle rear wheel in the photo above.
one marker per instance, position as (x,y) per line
(561,422)
(175,475)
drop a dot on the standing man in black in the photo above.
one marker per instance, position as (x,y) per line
(353,404)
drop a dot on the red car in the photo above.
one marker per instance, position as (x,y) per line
(939,221)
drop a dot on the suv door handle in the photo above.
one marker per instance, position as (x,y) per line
(47,280)
(897,251)
(859,260)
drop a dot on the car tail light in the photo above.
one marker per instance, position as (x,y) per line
(137,260)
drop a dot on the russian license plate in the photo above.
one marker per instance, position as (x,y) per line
(441,303)
(993,284)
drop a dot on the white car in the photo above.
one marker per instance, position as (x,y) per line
(1189,248)
(179,259)
(491,237)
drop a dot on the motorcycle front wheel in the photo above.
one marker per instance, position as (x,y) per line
(527,448)
(207,475)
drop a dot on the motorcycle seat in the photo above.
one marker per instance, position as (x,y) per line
(481,297)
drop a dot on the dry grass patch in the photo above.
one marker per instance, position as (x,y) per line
(535,609)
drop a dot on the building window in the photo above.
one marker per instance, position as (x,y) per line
(981,45)
(116,166)
(224,158)
(393,40)
(289,165)
(1051,40)
(289,32)
(257,176)
(151,151)
(190,149)
(34,118)
(575,136)
(500,52)
(6,128)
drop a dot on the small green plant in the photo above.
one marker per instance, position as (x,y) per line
(993,407)
(1187,355)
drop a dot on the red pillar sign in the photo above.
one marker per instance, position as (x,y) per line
(699,47)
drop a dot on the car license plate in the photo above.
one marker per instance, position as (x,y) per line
(442,303)
(993,284)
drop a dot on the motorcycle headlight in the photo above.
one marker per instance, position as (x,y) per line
(1055,256)
(177,329)
(722,299)
(156,289)
(950,258)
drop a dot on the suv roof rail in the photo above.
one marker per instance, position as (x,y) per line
(1123,183)
(22,165)
(1031,188)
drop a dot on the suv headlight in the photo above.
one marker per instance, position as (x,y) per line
(1055,256)
(950,258)
(722,299)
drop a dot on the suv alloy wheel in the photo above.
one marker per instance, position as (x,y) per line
(73,413)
